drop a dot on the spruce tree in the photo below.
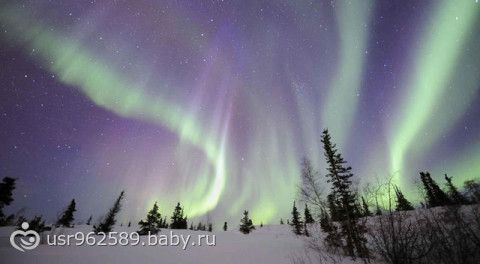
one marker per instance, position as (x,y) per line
(129,224)
(358,210)
(89,220)
(296,222)
(402,203)
(210,227)
(38,224)
(7,220)
(246,225)
(325,223)
(333,238)
(109,221)
(344,199)
(455,196)
(429,194)
(281,221)
(164,223)
(6,191)
(366,210)
(250,222)
(153,223)
(67,217)
(201,226)
(434,195)
(332,206)
(7,186)
(472,189)
(20,221)
(225,227)
(378,211)
(441,195)
(308,216)
(178,221)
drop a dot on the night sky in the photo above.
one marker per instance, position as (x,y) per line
(214,103)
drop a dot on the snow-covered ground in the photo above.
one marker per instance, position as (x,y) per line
(269,244)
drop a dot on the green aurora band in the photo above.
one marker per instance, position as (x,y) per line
(354,20)
(77,67)
(464,167)
(437,62)
(437,81)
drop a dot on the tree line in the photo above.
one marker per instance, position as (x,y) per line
(392,231)
(341,213)
(152,223)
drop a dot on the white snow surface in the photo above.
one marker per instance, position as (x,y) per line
(269,244)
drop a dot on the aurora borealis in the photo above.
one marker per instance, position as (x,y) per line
(214,103)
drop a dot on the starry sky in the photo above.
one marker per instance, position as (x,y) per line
(214,103)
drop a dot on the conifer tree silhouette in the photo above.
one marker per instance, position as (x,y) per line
(109,221)
(455,196)
(178,221)
(402,203)
(296,222)
(308,216)
(344,200)
(152,223)
(67,217)
(246,225)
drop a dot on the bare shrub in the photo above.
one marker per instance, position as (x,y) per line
(311,190)
(317,257)
(455,234)
(321,251)
(449,234)
(400,237)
